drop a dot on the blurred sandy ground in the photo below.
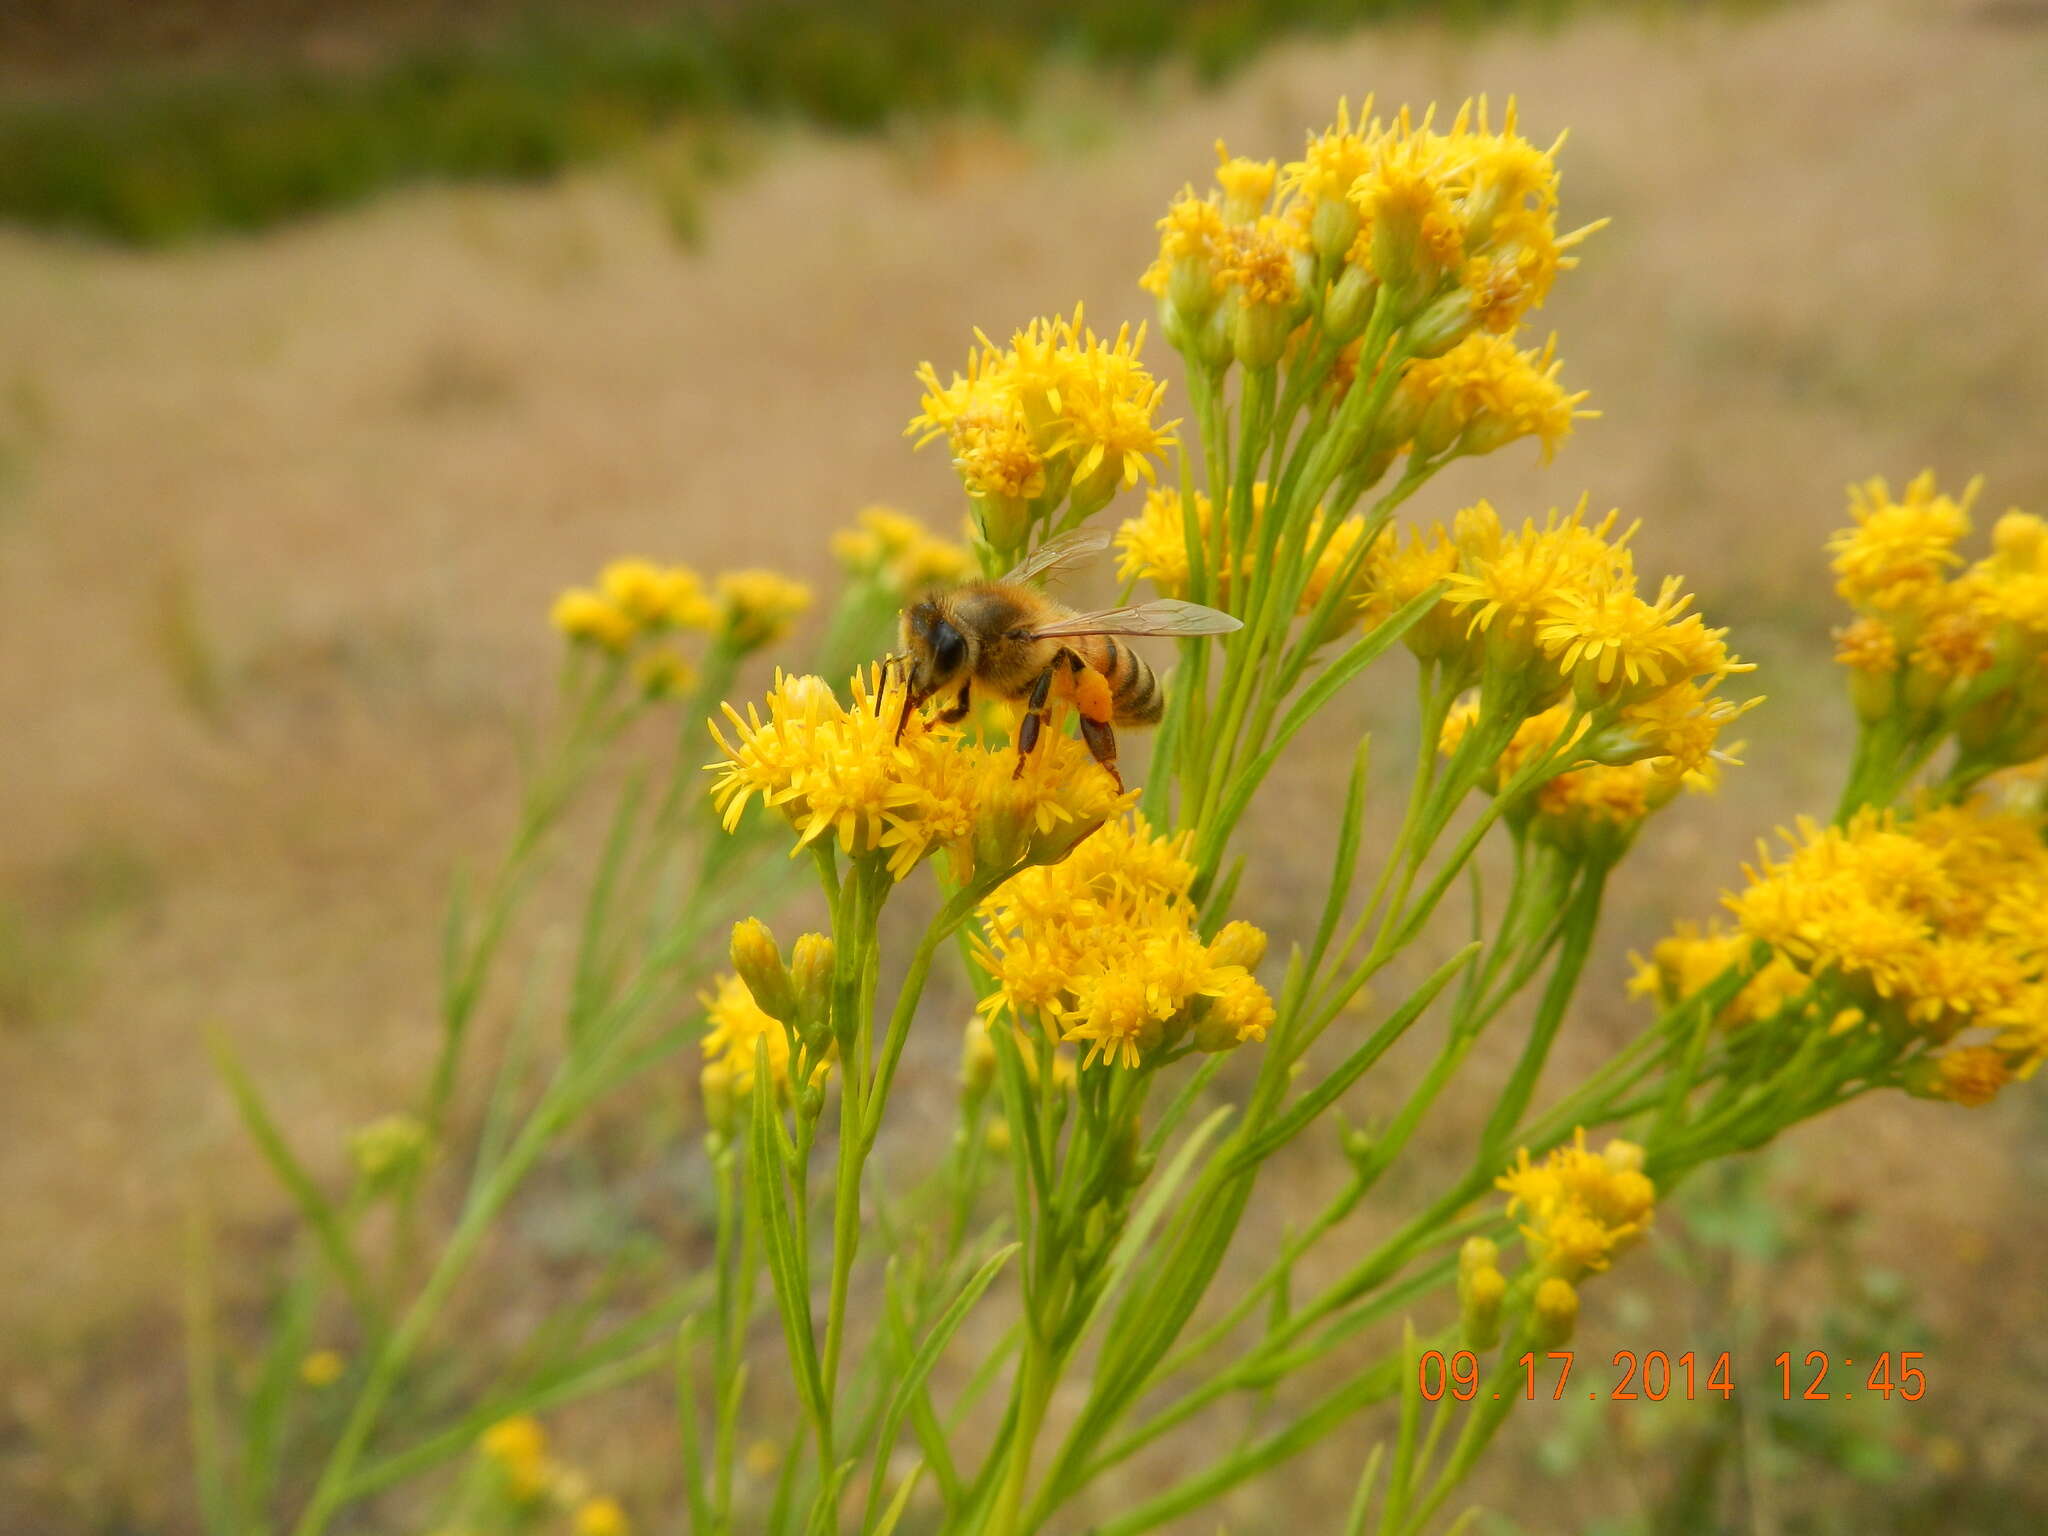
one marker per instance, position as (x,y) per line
(281,518)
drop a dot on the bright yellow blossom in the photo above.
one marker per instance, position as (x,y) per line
(1692,958)
(1102,950)
(897,551)
(586,617)
(1059,412)
(1930,926)
(1484,394)
(1581,1208)
(517,1447)
(601,1517)
(738,1025)
(757,607)
(1898,550)
(881,781)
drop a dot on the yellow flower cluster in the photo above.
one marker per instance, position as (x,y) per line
(898,554)
(1933,639)
(633,598)
(1059,416)
(898,785)
(1103,949)
(1152,546)
(1549,620)
(1931,928)
(637,602)
(1451,232)
(1581,1208)
(1587,805)
(1692,959)
(1482,394)
(516,1451)
(738,1025)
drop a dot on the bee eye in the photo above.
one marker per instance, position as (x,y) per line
(949,651)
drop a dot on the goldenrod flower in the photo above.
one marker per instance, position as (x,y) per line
(1582,1208)
(757,607)
(738,1024)
(1246,184)
(1153,546)
(1899,550)
(1692,958)
(517,1447)
(1103,950)
(1190,235)
(844,771)
(1515,586)
(1484,394)
(589,619)
(1059,412)
(653,595)
(601,1517)
(322,1368)
(1970,1075)
(1928,926)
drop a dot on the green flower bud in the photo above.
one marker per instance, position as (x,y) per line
(759,963)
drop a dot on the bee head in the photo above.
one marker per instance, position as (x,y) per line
(937,651)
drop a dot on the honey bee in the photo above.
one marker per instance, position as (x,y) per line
(1013,642)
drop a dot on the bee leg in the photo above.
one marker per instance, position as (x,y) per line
(956,711)
(1035,710)
(911,699)
(1093,703)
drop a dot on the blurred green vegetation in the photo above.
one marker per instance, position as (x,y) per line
(149,161)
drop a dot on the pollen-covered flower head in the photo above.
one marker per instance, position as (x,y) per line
(1481,395)
(1931,924)
(899,553)
(1102,950)
(881,781)
(1941,646)
(738,1027)
(1580,1208)
(1898,551)
(637,601)
(1693,958)
(1061,412)
(1467,216)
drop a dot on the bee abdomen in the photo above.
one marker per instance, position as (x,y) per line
(1134,689)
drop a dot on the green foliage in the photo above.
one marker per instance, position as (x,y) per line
(150,162)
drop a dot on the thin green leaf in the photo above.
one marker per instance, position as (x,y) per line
(1331,1088)
(202,1374)
(1361,1501)
(687,1428)
(780,1245)
(313,1205)
(925,1359)
(1344,866)
(900,1503)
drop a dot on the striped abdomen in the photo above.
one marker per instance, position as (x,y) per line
(1134,690)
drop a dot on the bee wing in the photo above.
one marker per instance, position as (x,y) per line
(1055,556)
(1166,616)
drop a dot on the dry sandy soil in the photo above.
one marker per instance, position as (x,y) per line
(280,519)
